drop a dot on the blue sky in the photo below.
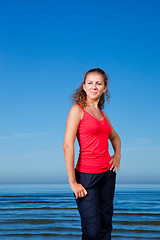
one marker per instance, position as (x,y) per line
(45,49)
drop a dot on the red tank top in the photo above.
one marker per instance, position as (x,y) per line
(92,136)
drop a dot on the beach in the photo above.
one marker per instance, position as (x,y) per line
(48,211)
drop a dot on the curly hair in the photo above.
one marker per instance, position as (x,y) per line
(79,96)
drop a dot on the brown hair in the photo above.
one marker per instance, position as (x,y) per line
(79,96)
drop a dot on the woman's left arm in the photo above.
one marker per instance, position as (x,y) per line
(116,143)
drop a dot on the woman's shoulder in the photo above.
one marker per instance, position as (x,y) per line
(76,109)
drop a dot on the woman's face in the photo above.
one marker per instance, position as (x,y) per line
(94,85)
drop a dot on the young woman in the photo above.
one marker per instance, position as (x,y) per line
(93,179)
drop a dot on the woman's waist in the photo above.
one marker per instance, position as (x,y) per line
(93,164)
(93,154)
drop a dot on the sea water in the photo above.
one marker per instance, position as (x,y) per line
(49,211)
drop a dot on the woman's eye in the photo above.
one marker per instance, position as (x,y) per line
(99,83)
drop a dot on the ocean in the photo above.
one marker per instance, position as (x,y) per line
(48,211)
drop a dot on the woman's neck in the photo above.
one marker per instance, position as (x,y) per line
(92,104)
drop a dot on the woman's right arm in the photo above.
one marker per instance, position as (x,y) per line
(73,121)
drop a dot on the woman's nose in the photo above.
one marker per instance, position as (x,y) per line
(94,86)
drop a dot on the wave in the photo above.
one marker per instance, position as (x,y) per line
(40,215)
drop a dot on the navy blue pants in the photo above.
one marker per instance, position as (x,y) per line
(96,208)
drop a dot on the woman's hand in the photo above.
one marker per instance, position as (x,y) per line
(115,160)
(78,190)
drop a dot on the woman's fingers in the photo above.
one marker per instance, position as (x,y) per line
(79,190)
(76,195)
(114,169)
(118,169)
(82,193)
(85,192)
(114,166)
(115,160)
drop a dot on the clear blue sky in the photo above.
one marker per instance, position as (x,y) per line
(45,48)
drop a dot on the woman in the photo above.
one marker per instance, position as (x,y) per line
(93,180)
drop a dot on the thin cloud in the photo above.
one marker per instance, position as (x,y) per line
(150,148)
(143,140)
(26,135)
(36,155)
